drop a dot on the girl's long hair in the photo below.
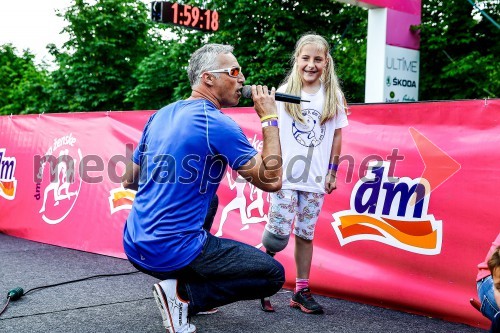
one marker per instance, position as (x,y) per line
(334,97)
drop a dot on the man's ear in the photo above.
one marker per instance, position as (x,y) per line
(208,79)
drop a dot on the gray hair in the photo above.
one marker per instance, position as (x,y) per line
(205,59)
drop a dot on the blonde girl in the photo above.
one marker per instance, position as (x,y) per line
(311,141)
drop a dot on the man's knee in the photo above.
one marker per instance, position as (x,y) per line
(274,243)
(279,281)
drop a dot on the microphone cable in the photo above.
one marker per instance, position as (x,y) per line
(18,292)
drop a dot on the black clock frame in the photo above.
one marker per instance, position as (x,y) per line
(184,15)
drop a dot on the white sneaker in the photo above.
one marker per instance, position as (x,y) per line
(174,310)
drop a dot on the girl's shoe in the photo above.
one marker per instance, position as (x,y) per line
(304,301)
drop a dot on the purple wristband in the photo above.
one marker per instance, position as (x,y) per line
(270,123)
(333,166)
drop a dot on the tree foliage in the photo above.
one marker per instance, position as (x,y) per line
(118,59)
(22,84)
(161,76)
(107,41)
(459,51)
(264,35)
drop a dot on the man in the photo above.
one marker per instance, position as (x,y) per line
(177,167)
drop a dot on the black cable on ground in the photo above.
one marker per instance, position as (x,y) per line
(17,293)
(79,280)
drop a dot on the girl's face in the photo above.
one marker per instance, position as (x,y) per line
(311,62)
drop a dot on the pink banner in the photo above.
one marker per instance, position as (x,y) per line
(398,31)
(406,6)
(412,217)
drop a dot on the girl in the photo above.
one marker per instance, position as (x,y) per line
(311,140)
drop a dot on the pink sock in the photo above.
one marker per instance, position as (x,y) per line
(301,284)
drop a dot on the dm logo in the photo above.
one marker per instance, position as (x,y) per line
(8,182)
(394,211)
(60,181)
(310,133)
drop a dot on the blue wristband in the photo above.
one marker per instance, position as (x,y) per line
(333,166)
(269,123)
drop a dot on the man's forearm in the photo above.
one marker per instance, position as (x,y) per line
(271,153)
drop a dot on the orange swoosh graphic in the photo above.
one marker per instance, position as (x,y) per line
(439,166)
(416,233)
(123,194)
(7,188)
(120,199)
(121,202)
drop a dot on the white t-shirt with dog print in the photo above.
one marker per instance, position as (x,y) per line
(306,147)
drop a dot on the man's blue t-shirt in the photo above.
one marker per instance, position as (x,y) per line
(182,154)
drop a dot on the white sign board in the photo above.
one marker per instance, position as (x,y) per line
(401,74)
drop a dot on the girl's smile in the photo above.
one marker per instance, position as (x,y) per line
(311,61)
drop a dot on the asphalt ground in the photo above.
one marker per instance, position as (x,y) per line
(124,303)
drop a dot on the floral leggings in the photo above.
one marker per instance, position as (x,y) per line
(289,205)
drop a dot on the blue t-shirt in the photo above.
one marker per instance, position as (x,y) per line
(182,154)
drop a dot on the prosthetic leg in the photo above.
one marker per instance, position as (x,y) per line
(273,244)
(265,303)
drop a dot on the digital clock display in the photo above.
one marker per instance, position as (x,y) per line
(185,15)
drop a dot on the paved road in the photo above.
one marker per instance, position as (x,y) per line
(124,303)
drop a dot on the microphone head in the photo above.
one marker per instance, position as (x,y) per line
(246,91)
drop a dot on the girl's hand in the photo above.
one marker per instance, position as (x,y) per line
(330,182)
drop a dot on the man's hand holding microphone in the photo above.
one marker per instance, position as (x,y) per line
(263,99)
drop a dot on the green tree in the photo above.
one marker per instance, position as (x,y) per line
(459,51)
(107,41)
(118,59)
(161,76)
(264,35)
(22,84)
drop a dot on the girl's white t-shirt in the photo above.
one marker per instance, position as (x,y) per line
(306,147)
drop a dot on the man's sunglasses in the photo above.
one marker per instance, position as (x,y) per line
(232,72)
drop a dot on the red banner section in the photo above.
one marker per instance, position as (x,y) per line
(413,214)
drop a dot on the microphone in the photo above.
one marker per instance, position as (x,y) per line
(281,97)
